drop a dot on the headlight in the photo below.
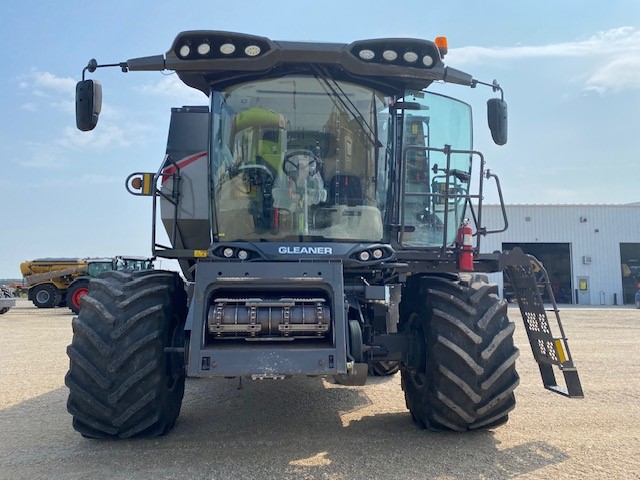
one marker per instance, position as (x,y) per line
(243,254)
(377,253)
(364,256)
(228,252)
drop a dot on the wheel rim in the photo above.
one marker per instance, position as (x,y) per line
(79,293)
(417,353)
(43,296)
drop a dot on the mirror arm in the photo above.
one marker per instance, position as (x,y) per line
(93,65)
(495,86)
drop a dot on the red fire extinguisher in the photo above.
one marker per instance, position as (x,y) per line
(465,244)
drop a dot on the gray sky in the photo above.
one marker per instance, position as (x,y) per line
(570,70)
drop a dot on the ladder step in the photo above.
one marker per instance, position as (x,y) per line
(548,351)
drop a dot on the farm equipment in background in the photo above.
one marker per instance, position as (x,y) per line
(49,278)
(57,282)
(79,286)
(320,207)
(6,299)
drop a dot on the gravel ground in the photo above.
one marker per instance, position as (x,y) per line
(312,429)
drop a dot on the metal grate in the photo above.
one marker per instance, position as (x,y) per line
(544,345)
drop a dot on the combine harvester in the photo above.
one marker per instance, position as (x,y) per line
(320,204)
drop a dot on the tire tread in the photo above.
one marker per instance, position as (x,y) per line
(470,377)
(121,382)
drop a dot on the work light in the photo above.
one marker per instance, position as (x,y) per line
(390,55)
(204,48)
(227,48)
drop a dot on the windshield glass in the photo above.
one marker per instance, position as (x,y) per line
(432,122)
(299,158)
(96,268)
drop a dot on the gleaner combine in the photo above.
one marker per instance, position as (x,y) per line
(321,206)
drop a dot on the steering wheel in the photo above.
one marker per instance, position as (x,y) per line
(252,174)
(291,163)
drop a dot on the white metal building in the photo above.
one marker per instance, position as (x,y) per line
(592,252)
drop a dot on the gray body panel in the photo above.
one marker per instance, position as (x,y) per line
(187,146)
(219,358)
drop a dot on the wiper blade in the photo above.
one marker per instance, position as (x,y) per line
(323,74)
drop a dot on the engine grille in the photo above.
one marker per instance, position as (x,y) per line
(269,319)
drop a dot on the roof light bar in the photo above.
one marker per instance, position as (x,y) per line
(199,45)
(400,52)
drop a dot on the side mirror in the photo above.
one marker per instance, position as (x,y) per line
(497,117)
(88,104)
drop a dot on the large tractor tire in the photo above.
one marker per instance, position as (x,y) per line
(460,371)
(121,381)
(63,300)
(5,293)
(45,296)
(75,292)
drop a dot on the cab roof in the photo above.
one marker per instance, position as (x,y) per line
(205,59)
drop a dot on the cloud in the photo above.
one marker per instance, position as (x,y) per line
(617,75)
(172,87)
(614,53)
(49,81)
(58,92)
(57,154)
(618,41)
(86,179)
(44,157)
(107,135)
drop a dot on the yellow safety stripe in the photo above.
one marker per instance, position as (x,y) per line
(147,182)
(560,349)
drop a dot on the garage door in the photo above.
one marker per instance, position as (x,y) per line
(556,258)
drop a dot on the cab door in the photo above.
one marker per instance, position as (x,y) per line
(435,168)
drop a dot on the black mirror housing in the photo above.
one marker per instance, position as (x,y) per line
(497,118)
(88,104)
